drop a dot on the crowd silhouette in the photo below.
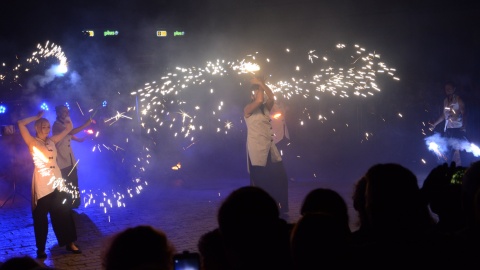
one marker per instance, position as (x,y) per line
(400,225)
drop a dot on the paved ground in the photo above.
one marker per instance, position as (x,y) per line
(183,210)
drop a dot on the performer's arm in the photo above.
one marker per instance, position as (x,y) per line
(271,98)
(80,128)
(441,118)
(22,126)
(461,105)
(257,102)
(77,139)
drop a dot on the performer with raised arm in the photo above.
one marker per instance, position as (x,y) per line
(66,159)
(265,163)
(47,185)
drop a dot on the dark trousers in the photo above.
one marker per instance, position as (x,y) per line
(458,134)
(273,179)
(71,180)
(61,217)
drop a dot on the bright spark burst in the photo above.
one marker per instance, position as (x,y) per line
(187,101)
(13,74)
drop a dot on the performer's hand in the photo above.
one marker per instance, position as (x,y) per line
(40,114)
(255,80)
(258,80)
(90,121)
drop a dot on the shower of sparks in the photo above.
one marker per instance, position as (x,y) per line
(117,117)
(12,74)
(186,102)
(176,92)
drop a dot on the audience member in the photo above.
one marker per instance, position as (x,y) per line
(442,191)
(254,235)
(320,240)
(21,263)
(212,251)
(361,233)
(327,201)
(467,246)
(140,247)
(399,219)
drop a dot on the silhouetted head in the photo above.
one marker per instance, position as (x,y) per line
(359,200)
(246,207)
(393,198)
(320,240)
(141,247)
(470,193)
(21,263)
(327,201)
(254,236)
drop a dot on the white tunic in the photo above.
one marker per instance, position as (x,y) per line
(453,116)
(260,138)
(46,175)
(65,156)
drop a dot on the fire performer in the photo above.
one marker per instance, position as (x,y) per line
(47,186)
(66,159)
(455,124)
(264,161)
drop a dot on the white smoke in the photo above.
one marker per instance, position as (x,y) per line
(440,145)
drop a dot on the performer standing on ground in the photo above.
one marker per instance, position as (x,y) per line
(264,160)
(66,159)
(47,186)
(455,124)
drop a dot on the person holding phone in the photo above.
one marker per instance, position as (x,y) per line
(47,185)
(264,161)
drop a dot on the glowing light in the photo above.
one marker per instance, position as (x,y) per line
(44,106)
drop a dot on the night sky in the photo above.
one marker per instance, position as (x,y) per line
(427,42)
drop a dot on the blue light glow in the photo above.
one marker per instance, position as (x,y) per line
(44,106)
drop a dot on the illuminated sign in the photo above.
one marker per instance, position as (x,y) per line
(161,33)
(88,33)
(178,33)
(110,33)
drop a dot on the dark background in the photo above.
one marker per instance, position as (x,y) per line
(428,42)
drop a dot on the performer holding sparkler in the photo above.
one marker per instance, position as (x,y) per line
(265,163)
(66,159)
(455,124)
(48,185)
